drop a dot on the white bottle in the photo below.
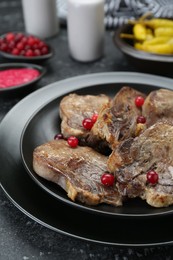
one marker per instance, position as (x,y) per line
(40,17)
(85,25)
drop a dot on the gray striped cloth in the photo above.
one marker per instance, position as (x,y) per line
(118,12)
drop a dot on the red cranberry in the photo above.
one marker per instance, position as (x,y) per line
(22,53)
(28,46)
(152,177)
(87,123)
(58,136)
(35,46)
(73,141)
(18,37)
(94,117)
(139,101)
(4,47)
(31,41)
(141,119)
(24,40)
(37,52)
(107,179)
(37,40)
(20,46)
(41,44)
(10,37)
(29,53)
(11,45)
(1,41)
(15,51)
(44,50)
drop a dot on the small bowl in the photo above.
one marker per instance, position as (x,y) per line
(20,58)
(147,62)
(25,86)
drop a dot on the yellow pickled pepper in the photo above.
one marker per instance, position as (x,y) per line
(158,22)
(164,48)
(139,31)
(154,35)
(149,35)
(156,40)
(162,31)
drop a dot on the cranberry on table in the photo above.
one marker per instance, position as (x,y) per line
(73,141)
(152,177)
(139,101)
(107,179)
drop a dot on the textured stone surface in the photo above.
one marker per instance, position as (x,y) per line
(20,237)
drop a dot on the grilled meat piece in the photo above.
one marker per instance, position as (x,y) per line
(133,158)
(74,108)
(117,119)
(158,106)
(77,170)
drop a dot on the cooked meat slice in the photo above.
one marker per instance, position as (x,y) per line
(77,170)
(74,108)
(158,106)
(117,119)
(133,158)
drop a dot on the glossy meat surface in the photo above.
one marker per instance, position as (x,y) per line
(158,106)
(77,170)
(117,119)
(133,158)
(74,108)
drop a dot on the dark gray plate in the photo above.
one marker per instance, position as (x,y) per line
(130,230)
(42,127)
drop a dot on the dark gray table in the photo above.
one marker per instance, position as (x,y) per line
(20,236)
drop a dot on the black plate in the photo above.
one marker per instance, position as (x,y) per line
(20,58)
(50,212)
(148,62)
(43,126)
(25,86)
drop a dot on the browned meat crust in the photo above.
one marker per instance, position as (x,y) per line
(158,106)
(77,170)
(133,158)
(117,119)
(74,108)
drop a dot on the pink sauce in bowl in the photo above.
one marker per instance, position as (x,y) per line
(17,76)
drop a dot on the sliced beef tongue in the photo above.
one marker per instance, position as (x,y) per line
(117,119)
(133,158)
(77,170)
